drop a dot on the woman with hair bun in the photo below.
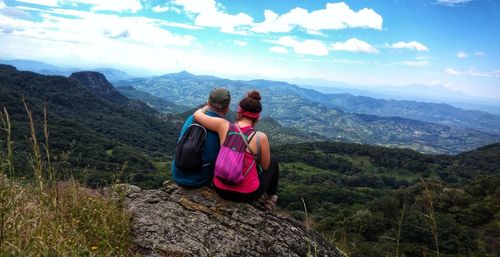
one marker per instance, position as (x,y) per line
(258,179)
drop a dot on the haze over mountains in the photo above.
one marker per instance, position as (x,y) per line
(108,136)
(424,93)
(291,114)
(332,115)
(425,127)
(48,69)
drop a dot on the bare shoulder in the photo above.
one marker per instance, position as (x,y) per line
(262,135)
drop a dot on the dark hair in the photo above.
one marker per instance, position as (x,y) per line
(251,102)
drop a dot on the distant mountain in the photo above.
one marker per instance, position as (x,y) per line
(311,111)
(47,69)
(158,103)
(113,74)
(280,135)
(100,136)
(443,114)
(422,93)
(429,112)
(98,84)
(277,133)
(38,67)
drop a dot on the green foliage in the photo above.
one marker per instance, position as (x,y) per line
(97,137)
(66,220)
(356,194)
(158,103)
(314,112)
(43,217)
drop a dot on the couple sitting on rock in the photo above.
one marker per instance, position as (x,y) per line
(259,179)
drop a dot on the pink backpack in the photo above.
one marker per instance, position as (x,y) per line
(230,161)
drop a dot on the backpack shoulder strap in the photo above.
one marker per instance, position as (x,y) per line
(254,133)
(195,124)
(244,137)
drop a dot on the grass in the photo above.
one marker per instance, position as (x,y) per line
(45,217)
(82,223)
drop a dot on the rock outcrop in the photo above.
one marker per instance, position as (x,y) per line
(99,85)
(173,221)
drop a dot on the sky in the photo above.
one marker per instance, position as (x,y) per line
(453,43)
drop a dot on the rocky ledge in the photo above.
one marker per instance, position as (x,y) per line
(173,221)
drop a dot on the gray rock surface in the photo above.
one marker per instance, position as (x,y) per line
(173,221)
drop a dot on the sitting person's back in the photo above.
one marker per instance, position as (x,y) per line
(244,169)
(218,102)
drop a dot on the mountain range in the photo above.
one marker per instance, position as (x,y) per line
(426,127)
(97,130)
(158,103)
(437,93)
(48,69)
(92,124)
(332,115)
(360,196)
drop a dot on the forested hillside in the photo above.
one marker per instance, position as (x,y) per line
(378,201)
(369,200)
(96,136)
(314,112)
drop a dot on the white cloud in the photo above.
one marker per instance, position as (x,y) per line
(210,14)
(462,55)
(310,46)
(354,45)
(488,74)
(112,5)
(96,5)
(82,15)
(94,28)
(52,3)
(414,45)
(197,6)
(356,62)
(240,43)
(2,4)
(159,9)
(416,63)
(453,2)
(278,49)
(452,72)
(335,16)
(474,72)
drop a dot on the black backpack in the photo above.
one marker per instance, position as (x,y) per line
(190,147)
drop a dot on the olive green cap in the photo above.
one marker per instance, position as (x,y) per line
(219,98)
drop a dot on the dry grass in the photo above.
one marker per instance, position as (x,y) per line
(82,223)
(43,217)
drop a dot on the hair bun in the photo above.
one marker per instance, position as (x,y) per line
(254,95)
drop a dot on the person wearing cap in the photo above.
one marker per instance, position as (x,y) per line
(261,181)
(218,106)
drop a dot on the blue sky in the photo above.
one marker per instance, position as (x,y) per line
(454,43)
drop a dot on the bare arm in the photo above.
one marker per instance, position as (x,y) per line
(218,125)
(265,152)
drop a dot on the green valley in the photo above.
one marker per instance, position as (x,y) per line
(313,112)
(376,201)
